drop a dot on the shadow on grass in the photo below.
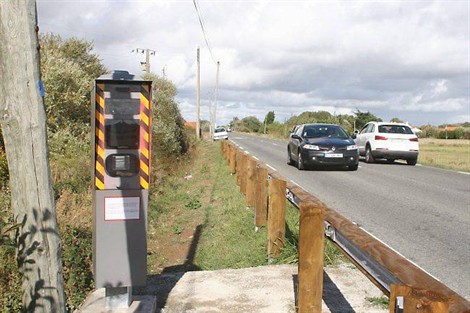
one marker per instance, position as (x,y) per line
(161,285)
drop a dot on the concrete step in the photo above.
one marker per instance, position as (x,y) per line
(264,289)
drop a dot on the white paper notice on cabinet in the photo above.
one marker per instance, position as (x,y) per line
(121,208)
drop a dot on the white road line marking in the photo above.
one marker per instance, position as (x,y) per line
(274,144)
(255,158)
(295,183)
(465,173)
(270,167)
(401,255)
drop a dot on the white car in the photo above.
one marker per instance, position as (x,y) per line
(220,134)
(391,141)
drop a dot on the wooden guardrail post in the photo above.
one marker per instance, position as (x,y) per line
(239,166)
(224,149)
(261,196)
(243,161)
(311,244)
(406,299)
(276,217)
(250,182)
(232,159)
(227,148)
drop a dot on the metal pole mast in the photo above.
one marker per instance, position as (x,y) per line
(147,61)
(198,96)
(216,94)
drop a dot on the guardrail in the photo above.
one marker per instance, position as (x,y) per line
(409,288)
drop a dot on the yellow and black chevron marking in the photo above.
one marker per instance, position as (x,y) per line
(145,136)
(99,137)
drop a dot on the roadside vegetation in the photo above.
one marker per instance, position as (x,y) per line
(199,221)
(450,154)
(69,69)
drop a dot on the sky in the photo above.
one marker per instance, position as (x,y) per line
(405,59)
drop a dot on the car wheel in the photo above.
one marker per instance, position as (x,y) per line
(412,161)
(353,167)
(300,162)
(369,156)
(289,157)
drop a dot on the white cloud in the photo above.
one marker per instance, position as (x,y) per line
(390,57)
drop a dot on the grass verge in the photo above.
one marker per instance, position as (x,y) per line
(450,154)
(199,221)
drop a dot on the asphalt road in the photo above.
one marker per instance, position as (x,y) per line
(421,212)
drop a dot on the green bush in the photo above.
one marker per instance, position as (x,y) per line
(69,155)
(68,70)
(77,263)
(447,134)
(10,292)
(169,136)
(4,174)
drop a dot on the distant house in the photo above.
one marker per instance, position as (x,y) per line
(416,130)
(190,124)
(448,128)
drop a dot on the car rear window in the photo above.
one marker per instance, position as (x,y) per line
(219,130)
(395,129)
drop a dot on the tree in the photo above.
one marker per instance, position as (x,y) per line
(237,124)
(68,71)
(396,120)
(269,119)
(23,122)
(311,117)
(251,124)
(362,118)
(168,124)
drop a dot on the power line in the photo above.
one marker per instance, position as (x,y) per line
(201,22)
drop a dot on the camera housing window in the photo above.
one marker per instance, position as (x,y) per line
(122,165)
(123,134)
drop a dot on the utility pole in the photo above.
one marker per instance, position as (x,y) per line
(148,53)
(211,129)
(23,122)
(216,94)
(198,96)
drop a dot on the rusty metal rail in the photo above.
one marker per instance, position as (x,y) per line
(385,267)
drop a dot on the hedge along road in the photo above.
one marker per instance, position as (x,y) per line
(421,212)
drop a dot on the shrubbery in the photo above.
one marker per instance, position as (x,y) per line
(169,138)
(69,70)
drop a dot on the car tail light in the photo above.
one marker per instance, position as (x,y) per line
(380,138)
(414,139)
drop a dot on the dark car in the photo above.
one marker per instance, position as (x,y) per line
(322,144)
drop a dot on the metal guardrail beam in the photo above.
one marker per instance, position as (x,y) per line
(381,264)
(380,275)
